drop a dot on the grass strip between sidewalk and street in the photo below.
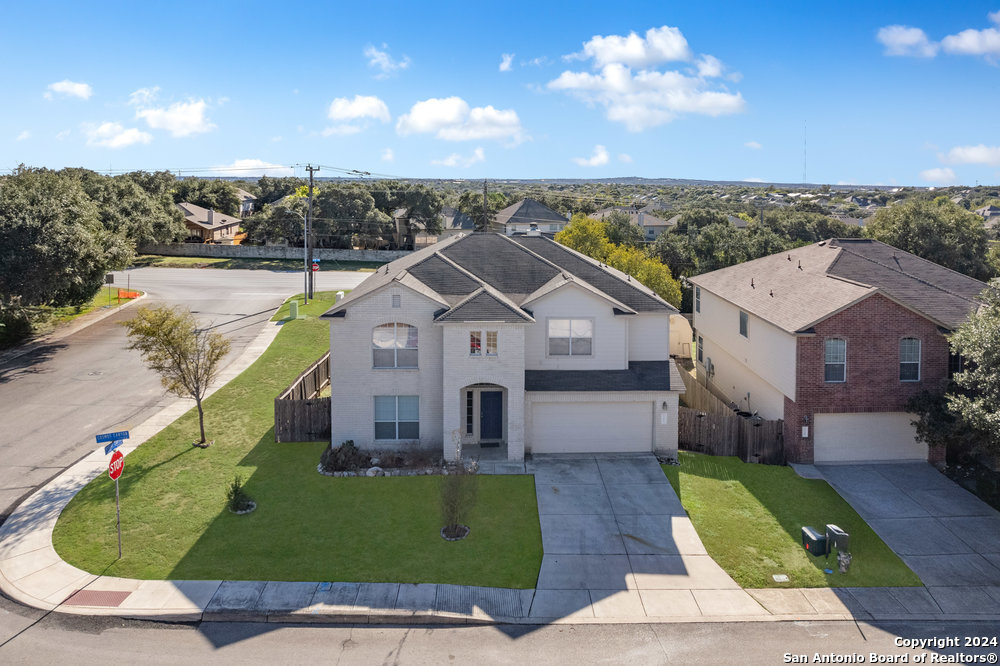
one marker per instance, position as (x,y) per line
(161,261)
(750,516)
(307,527)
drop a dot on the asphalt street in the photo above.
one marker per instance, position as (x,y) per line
(55,399)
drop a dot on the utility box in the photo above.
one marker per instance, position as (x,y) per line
(837,539)
(814,542)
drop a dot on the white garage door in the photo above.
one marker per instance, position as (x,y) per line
(590,427)
(866,437)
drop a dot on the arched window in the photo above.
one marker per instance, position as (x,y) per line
(394,346)
(909,360)
(835,361)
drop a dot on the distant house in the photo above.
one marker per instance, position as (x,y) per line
(209,226)
(247,202)
(528,215)
(852,221)
(651,223)
(833,338)
(737,222)
(453,222)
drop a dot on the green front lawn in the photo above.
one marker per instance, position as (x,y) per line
(750,518)
(307,526)
(262,264)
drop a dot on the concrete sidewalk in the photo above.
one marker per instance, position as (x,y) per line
(619,549)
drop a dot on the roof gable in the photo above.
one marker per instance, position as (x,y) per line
(485,306)
(444,277)
(528,211)
(501,263)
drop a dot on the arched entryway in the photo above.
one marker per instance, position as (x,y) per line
(484,419)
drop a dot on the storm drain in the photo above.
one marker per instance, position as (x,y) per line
(108,598)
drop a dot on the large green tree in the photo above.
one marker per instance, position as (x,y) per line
(345,216)
(419,207)
(938,231)
(272,189)
(619,229)
(978,342)
(217,195)
(54,250)
(126,208)
(276,224)
(471,203)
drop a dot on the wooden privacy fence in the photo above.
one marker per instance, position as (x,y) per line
(697,396)
(731,435)
(299,415)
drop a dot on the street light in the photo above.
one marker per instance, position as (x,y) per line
(305,254)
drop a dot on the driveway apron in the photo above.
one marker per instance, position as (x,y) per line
(944,533)
(618,542)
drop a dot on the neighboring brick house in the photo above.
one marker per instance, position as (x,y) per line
(529,215)
(209,226)
(834,338)
(511,342)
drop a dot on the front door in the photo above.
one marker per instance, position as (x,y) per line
(491,415)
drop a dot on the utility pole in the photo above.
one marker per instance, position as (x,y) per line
(486,223)
(308,242)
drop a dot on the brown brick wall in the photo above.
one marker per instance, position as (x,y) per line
(872,329)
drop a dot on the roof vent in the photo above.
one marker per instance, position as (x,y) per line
(789,257)
(772,293)
(751,284)
(800,264)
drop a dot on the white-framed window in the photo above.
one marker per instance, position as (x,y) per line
(697,299)
(491,343)
(744,324)
(469,404)
(835,361)
(909,360)
(396,300)
(475,343)
(394,346)
(397,417)
(553,227)
(571,337)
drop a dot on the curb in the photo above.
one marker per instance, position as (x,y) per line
(69,329)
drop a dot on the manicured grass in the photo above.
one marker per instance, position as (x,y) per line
(253,264)
(47,318)
(750,518)
(307,526)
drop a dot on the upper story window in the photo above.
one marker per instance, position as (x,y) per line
(835,362)
(744,323)
(697,299)
(396,300)
(394,346)
(476,343)
(909,360)
(553,227)
(701,350)
(571,337)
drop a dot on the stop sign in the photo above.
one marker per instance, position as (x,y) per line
(116,465)
(315,267)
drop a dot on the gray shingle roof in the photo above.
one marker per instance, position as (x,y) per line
(452,218)
(198,215)
(640,376)
(444,277)
(527,211)
(612,282)
(796,289)
(500,263)
(484,306)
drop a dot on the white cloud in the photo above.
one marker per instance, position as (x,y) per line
(452,119)
(388,155)
(113,135)
(457,160)
(753,144)
(627,159)
(361,106)
(663,44)
(538,62)
(62,135)
(980,154)
(753,180)
(253,167)
(180,118)
(942,176)
(974,42)
(385,62)
(994,17)
(599,158)
(505,61)
(904,40)
(276,139)
(647,97)
(25,134)
(69,89)
(143,96)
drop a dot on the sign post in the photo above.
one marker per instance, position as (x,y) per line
(115,468)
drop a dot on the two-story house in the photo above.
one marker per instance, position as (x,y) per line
(528,215)
(834,338)
(209,226)
(486,340)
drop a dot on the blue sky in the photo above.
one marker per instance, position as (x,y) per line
(886,93)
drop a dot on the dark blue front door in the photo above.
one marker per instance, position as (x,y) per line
(491,415)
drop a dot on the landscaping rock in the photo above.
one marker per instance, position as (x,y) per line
(374,471)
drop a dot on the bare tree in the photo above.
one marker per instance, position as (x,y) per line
(186,357)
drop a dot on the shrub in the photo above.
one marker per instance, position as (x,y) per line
(343,458)
(236,497)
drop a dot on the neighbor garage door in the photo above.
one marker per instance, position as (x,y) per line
(590,427)
(866,437)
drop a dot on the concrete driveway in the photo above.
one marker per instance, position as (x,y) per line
(944,533)
(617,542)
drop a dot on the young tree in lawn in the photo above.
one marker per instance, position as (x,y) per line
(186,358)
